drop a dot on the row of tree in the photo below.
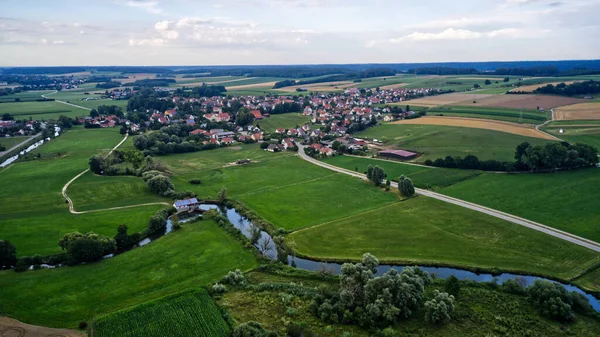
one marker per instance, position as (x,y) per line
(573,89)
(108,85)
(376,175)
(535,158)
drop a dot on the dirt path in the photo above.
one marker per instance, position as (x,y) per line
(72,208)
(595,246)
(12,328)
(479,123)
(66,103)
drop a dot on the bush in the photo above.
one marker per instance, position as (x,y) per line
(252,329)
(235,278)
(452,286)
(439,308)
(513,287)
(291,312)
(195,181)
(21,266)
(551,300)
(218,288)
(83,325)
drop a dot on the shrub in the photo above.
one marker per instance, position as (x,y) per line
(452,286)
(439,308)
(21,266)
(251,329)
(551,300)
(218,288)
(235,278)
(513,287)
(83,325)
(291,312)
(195,181)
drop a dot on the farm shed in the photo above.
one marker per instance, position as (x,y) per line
(398,154)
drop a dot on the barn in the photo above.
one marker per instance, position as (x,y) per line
(398,154)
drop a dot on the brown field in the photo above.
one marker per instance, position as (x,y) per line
(520,101)
(199,83)
(135,77)
(265,85)
(578,111)
(531,88)
(13,328)
(433,101)
(477,123)
(325,86)
(393,86)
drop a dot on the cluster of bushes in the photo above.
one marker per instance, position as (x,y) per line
(376,175)
(108,85)
(171,139)
(88,247)
(125,241)
(158,221)
(112,165)
(538,158)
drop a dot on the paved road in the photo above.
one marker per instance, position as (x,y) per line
(495,213)
(67,103)
(72,208)
(20,144)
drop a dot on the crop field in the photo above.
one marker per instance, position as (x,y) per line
(586,111)
(94,104)
(266,86)
(584,132)
(320,87)
(427,231)
(191,314)
(532,87)
(34,213)
(423,177)
(565,200)
(500,126)
(41,110)
(590,280)
(445,99)
(438,141)
(522,101)
(282,121)
(198,254)
(24,96)
(501,114)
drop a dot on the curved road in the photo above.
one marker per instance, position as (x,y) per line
(489,211)
(72,208)
(67,103)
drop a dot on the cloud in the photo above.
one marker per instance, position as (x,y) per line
(147,42)
(150,6)
(58,42)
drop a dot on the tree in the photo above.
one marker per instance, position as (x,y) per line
(439,308)
(157,223)
(8,253)
(551,300)
(488,82)
(251,329)
(377,175)
(160,184)
(122,239)
(370,172)
(87,247)
(94,113)
(405,186)
(452,286)
(506,79)
(7,117)
(142,142)
(534,157)
(476,86)
(354,278)
(244,117)
(222,196)
(96,164)
(255,234)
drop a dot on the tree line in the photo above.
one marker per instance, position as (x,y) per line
(573,89)
(108,85)
(534,158)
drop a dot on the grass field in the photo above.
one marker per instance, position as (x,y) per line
(41,110)
(191,314)
(285,121)
(564,200)
(24,96)
(427,231)
(422,177)
(34,213)
(582,132)
(198,254)
(509,115)
(590,280)
(435,141)
(12,141)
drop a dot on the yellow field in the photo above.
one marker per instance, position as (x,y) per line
(393,86)
(530,88)
(135,77)
(325,86)
(578,111)
(265,85)
(477,123)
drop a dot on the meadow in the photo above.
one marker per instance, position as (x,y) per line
(282,121)
(427,231)
(565,200)
(191,313)
(435,141)
(41,110)
(12,141)
(501,114)
(422,177)
(198,254)
(34,213)
(24,96)
(586,132)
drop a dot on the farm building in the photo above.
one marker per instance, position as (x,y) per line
(398,154)
(185,204)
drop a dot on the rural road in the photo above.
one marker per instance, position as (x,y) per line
(486,210)
(72,208)
(67,103)
(20,144)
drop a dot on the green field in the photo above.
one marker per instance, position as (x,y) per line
(41,110)
(24,96)
(565,200)
(282,121)
(12,141)
(579,132)
(91,192)
(198,254)
(191,314)
(435,141)
(502,114)
(34,213)
(422,177)
(427,231)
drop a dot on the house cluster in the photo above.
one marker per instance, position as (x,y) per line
(104,121)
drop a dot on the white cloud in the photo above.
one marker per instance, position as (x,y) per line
(149,6)
(58,42)
(147,42)
(464,34)
(162,25)
(44,41)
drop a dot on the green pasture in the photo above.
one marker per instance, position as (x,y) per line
(282,121)
(586,132)
(502,114)
(12,141)
(41,110)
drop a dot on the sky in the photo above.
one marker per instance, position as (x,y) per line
(225,32)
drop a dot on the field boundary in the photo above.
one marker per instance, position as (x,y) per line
(595,246)
(66,103)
